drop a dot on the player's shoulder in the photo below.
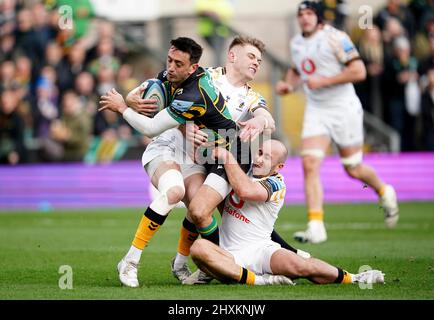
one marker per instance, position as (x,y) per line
(297,40)
(276,182)
(215,72)
(334,33)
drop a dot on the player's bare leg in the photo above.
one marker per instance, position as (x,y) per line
(285,262)
(188,231)
(221,265)
(168,180)
(313,151)
(351,158)
(201,210)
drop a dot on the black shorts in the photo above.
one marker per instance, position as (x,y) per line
(241,151)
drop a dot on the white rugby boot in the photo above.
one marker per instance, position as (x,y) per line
(389,203)
(198,277)
(180,273)
(315,233)
(127,271)
(370,276)
(273,279)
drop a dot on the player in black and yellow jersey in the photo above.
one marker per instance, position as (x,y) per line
(192,97)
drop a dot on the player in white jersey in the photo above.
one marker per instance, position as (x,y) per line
(246,107)
(327,63)
(246,253)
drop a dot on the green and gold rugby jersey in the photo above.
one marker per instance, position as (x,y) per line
(198,100)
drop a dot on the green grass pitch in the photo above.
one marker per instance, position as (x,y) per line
(33,245)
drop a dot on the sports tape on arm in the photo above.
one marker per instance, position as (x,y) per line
(150,127)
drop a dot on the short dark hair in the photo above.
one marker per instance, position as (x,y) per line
(244,40)
(189,46)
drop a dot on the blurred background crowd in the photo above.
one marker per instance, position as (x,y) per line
(51,77)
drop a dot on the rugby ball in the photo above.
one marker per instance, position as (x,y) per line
(155,89)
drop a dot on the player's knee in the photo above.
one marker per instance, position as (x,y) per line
(175,194)
(171,183)
(199,249)
(197,213)
(311,164)
(353,171)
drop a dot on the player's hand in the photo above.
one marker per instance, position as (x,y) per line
(283,87)
(315,83)
(112,101)
(251,128)
(195,135)
(223,156)
(146,107)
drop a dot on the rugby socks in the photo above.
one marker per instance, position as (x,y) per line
(188,234)
(382,190)
(210,232)
(148,226)
(315,215)
(344,277)
(249,277)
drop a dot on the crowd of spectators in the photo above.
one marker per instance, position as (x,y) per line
(51,77)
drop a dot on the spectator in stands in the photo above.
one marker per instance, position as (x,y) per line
(12,148)
(421,41)
(26,40)
(399,72)
(396,9)
(214,17)
(46,111)
(371,51)
(428,111)
(428,62)
(7,44)
(85,89)
(105,57)
(7,76)
(54,58)
(72,132)
(44,32)
(334,12)
(125,80)
(75,64)
(393,29)
(421,10)
(7,17)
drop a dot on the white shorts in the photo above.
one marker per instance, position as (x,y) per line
(343,124)
(169,146)
(256,258)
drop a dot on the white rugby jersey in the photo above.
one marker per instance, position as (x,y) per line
(245,223)
(241,101)
(324,54)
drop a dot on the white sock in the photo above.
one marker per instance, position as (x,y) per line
(134,254)
(180,260)
(259,280)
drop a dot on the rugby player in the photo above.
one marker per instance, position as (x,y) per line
(327,63)
(246,253)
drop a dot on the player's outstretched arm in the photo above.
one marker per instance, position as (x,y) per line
(149,127)
(288,85)
(243,186)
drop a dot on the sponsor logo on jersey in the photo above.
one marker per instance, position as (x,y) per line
(308,66)
(181,105)
(236,214)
